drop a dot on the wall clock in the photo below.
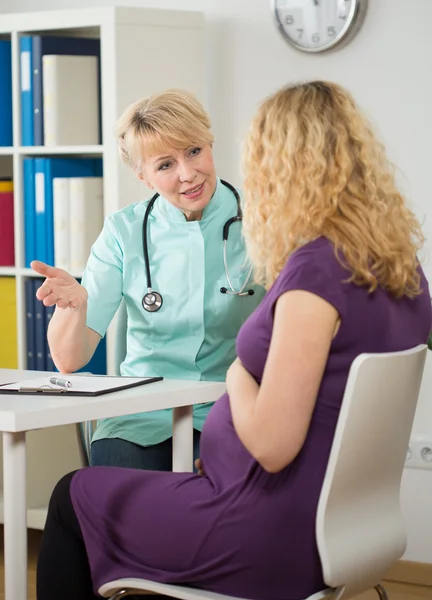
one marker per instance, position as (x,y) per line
(319,25)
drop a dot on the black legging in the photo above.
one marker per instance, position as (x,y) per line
(63,569)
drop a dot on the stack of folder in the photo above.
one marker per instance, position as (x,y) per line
(39,174)
(38,317)
(64,109)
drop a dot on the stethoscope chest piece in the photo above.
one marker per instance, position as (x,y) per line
(152,301)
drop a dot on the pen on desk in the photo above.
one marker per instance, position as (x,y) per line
(60,382)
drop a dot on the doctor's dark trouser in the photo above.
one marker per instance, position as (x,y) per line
(115,452)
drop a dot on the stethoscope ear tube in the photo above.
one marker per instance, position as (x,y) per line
(228,225)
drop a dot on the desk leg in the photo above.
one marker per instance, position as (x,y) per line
(15,515)
(183,439)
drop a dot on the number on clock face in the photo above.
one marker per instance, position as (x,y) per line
(315,25)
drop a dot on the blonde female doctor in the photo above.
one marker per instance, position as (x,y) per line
(177,260)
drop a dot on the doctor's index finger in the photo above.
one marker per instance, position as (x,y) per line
(45,270)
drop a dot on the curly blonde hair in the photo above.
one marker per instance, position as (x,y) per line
(313,167)
(173,119)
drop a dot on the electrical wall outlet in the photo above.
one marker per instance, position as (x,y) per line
(419,455)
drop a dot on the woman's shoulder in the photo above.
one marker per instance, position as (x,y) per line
(316,246)
(123,225)
(136,209)
(316,261)
(316,254)
(128,214)
(314,267)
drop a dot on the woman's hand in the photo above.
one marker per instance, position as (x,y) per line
(59,287)
(235,375)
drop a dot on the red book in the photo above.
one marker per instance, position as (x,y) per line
(7,254)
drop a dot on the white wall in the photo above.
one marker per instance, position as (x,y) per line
(384,67)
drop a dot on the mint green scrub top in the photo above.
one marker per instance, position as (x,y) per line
(193,334)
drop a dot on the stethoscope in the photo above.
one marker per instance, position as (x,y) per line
(152,300)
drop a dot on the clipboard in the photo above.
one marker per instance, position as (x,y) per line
(93,385)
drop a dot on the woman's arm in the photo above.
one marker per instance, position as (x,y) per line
(72,343)
(83,312)
(272,420)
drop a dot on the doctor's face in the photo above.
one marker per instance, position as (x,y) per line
(185,178)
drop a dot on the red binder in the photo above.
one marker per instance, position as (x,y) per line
(7,254)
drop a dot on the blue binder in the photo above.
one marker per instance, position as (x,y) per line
(49,363)
(40,211)
(5,93)
(29,211)
(40,328)
(26,91)
(61,46)
(30,324)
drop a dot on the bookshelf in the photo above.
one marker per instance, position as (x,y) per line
(142,51)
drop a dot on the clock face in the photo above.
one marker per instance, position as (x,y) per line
(318,25)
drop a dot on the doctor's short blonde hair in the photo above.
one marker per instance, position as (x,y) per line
(173,119)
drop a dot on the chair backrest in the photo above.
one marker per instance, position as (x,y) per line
(360,529)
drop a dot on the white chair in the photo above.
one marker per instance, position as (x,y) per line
(359,526)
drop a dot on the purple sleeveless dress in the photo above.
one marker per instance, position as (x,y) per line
(240,530)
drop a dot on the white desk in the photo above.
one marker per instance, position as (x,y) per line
(22,413)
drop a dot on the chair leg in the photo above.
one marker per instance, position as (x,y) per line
(119,595)
(381,592)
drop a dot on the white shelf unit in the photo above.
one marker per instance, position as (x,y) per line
(143,51)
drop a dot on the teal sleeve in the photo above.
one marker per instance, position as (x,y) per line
(103,278)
